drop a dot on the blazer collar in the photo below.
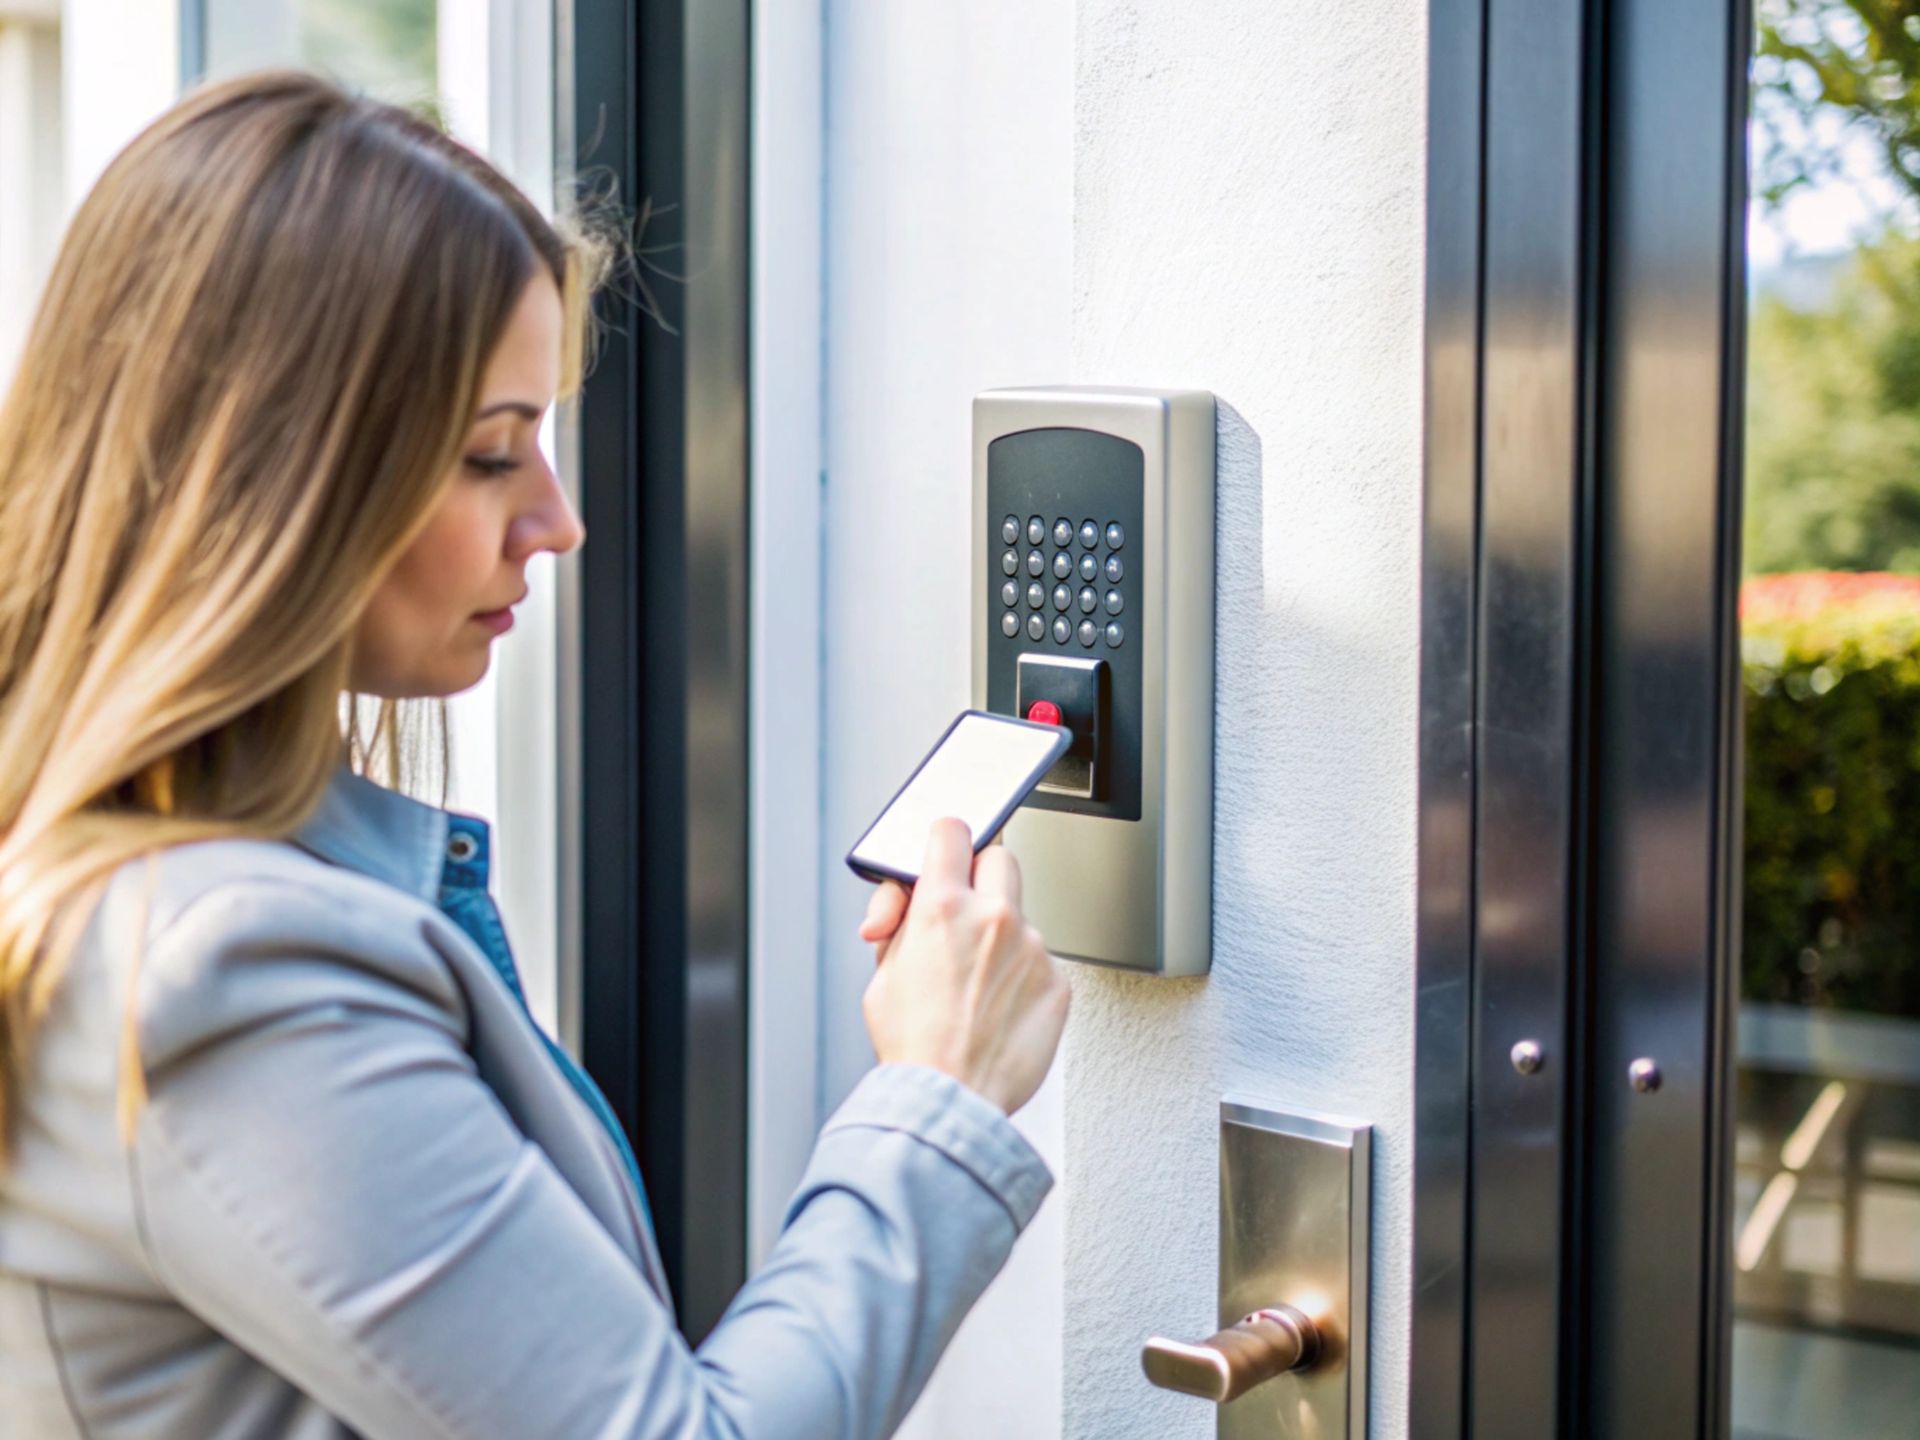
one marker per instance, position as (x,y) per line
(379,832)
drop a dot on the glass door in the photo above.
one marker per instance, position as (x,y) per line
(1826,1141)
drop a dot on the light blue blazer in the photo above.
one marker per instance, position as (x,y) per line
(365,1198)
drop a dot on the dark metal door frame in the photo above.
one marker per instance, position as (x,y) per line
(657,99)
(1586,184)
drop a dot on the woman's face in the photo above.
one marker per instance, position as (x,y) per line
(430,627)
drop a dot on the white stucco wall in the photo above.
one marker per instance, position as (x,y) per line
(947,235)
(1148,192)
(1249,218)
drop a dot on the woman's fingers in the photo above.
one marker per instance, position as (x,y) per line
(884,911)
(997,873)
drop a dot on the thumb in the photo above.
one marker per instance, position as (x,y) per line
(949,858)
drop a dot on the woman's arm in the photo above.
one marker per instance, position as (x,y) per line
(323,1177)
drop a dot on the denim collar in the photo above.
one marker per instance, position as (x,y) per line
(393,837)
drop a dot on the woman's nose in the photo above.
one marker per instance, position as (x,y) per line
(551,524)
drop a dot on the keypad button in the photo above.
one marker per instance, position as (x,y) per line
(1088,600)
(1036,564)
(1062,629)
(1089,567)
(1036,628)
(1115,603)
(1036,594)
(1089,632)
(1010,593)
(1116,537)
(1063,531)
(1062,565)
(1062,597)
(1116,637)
(1009,563)
(1089,534)
(1116,572)
(1036,530)
(1010,530)
(1009,624)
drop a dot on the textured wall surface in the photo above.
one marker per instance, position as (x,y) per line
(949,192)
(1230,196)
(1248,218)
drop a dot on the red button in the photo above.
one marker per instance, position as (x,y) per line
(1044,711)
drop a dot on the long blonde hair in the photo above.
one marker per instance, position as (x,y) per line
(251,370)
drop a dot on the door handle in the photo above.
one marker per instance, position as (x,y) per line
(1269,1342)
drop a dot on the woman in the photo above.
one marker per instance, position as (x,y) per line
(285,1155)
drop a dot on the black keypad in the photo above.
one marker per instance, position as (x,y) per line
(1076,497)
(1097,560)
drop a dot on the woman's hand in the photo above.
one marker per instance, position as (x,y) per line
(963,983)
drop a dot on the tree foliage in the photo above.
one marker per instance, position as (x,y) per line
(1823,67)
(1833,421)
(1833,387)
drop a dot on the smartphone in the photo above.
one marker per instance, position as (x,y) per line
(980,770)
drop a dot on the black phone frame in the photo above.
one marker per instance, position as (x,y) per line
(1063,740)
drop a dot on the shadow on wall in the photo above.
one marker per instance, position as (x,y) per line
(1308,1003)
(1238,486)
(1312,757)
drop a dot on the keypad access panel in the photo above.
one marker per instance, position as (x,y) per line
(1064,506)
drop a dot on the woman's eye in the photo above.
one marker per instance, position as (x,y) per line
(492,464)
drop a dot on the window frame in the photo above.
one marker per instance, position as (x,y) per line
(655,634)
(1586,192)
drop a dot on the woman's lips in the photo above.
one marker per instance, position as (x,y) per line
(498,621)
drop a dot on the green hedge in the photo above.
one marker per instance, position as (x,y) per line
(1831,910)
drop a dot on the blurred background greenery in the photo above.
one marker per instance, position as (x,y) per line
(1832,854)
(1831,907)
(388,48)
(1833,377)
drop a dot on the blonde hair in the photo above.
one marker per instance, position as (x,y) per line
(251,371)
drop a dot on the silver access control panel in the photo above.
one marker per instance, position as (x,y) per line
(1093,609)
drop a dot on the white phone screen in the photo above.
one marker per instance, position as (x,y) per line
(980,773)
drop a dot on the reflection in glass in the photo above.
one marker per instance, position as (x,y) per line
(1826,1232)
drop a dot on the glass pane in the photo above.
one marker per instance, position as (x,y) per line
(388,48)
(1827,1138)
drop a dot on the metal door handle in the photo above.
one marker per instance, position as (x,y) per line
(1264,1344)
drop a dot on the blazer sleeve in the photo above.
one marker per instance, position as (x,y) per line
(322,1175)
